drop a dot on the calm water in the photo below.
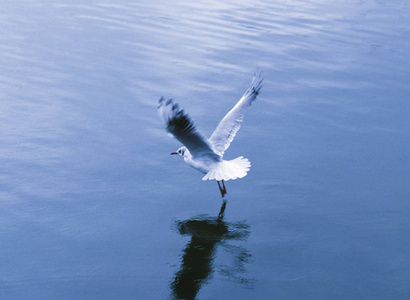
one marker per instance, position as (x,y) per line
(92,206)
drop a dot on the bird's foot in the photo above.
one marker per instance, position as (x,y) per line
(222,189)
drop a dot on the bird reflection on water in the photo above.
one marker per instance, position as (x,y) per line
(207,233)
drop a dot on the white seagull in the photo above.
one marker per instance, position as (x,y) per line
(206,155)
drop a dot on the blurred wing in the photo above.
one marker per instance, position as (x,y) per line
(181,126)
(230,124)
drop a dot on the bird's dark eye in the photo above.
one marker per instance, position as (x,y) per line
(179,151)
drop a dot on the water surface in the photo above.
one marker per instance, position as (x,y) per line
(93,206)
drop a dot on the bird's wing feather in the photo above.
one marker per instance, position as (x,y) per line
(230,124)
(182,127)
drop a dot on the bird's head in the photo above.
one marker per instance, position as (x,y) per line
(183,152)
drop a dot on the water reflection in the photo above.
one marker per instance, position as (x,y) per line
(207,233)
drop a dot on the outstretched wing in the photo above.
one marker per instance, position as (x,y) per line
(181,126)
(230,124)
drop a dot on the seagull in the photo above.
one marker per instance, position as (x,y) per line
(206,155)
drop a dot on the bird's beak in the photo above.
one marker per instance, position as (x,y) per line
(174,153)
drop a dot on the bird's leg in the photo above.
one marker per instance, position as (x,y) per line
(222,211)
(222,189)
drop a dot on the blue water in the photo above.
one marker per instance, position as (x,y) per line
(92,206)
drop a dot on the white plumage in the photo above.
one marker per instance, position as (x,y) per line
(206,155)
(229,169)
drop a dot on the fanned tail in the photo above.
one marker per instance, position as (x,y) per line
(229,169)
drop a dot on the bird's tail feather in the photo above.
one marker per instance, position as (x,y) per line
(229,169)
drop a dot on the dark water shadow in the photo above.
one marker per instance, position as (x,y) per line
(197,265)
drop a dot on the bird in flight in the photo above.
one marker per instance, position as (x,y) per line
(206,155)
